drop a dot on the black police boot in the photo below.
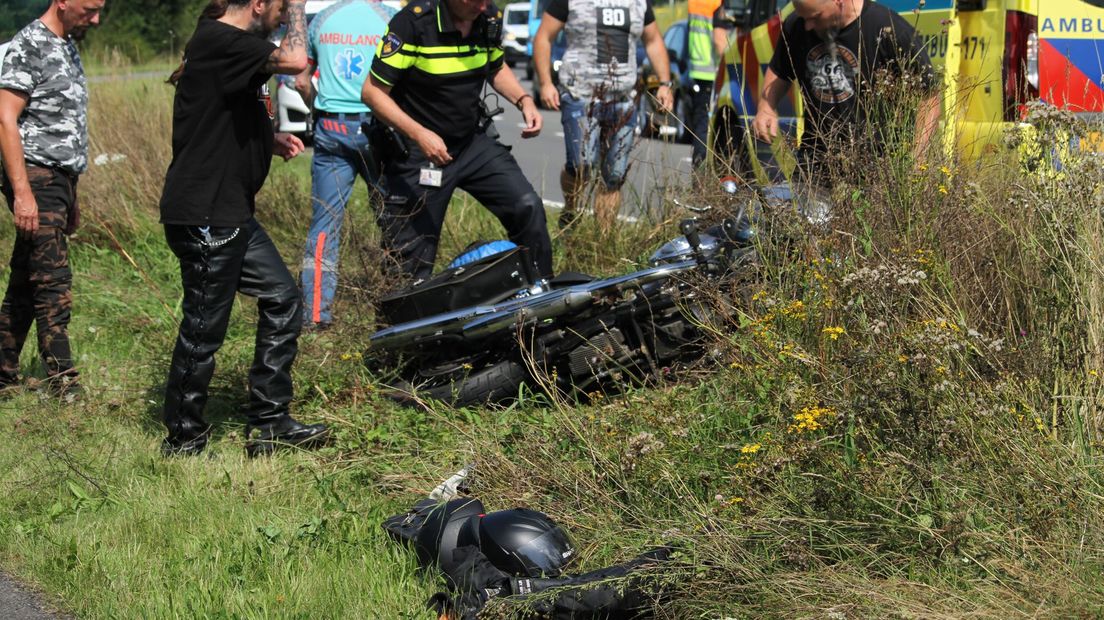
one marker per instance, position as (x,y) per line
(284,433)
(184,441)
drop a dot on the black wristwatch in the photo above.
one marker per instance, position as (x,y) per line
(668,83)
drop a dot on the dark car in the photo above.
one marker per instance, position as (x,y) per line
(671,126)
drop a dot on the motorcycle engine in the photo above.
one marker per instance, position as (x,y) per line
(601,353)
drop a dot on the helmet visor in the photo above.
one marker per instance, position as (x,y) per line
(547,554)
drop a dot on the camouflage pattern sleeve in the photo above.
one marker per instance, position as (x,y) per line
(22,68)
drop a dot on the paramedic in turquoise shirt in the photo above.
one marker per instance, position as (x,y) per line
(341,43)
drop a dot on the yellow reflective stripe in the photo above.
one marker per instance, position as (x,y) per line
(380,78)
(398,61)
(445,66)
(442,60)
(444,50)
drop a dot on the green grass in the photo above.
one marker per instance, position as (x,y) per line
(866,442)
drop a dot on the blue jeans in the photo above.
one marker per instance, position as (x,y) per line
(340,155)
(598,134)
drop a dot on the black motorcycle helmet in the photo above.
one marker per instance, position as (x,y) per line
(521,542)
(525,543)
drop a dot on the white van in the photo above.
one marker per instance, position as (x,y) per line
(515,38)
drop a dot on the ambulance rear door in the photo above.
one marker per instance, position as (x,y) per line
(1070,63)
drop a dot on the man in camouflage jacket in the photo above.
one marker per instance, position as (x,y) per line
(44,148)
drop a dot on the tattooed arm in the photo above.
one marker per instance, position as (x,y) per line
(291,57)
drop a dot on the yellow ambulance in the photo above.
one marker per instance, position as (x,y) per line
(994,56)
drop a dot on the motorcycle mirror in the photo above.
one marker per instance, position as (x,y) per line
(689,228)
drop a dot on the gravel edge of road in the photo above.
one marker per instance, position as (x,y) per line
(20,602)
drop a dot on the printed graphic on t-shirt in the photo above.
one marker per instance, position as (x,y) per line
(832,69)
(614,24)
(349,63)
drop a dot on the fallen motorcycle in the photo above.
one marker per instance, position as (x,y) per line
(481,330)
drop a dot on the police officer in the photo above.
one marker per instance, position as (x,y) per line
(426,82)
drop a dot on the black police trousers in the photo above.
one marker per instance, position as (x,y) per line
(215,264)
(412,215)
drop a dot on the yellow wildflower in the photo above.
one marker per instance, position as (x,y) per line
(750,448)
(943,190)
(796,309)
(833,332)
(809,419)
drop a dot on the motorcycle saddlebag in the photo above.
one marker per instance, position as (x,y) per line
(485,281)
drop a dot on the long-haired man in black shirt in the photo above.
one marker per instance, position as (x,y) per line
(223,144)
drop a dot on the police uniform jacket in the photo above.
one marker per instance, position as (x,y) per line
(436,75)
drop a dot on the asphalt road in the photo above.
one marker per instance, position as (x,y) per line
(656,164)
(19,604)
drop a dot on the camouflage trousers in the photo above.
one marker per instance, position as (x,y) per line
(39,285)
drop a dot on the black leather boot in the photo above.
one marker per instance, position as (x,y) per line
(185,442)
(286,433)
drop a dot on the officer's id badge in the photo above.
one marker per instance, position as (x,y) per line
(430,177)
(391,45)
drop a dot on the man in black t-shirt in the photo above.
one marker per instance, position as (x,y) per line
(222,145)
(833,48)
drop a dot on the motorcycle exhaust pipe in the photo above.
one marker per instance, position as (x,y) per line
(540,310)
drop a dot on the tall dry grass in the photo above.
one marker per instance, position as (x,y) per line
(901,417)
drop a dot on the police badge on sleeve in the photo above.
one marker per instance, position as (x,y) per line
(391,45)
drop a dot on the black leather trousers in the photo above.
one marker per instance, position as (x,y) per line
(215,264)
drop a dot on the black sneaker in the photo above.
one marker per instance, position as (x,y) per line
(286,434)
